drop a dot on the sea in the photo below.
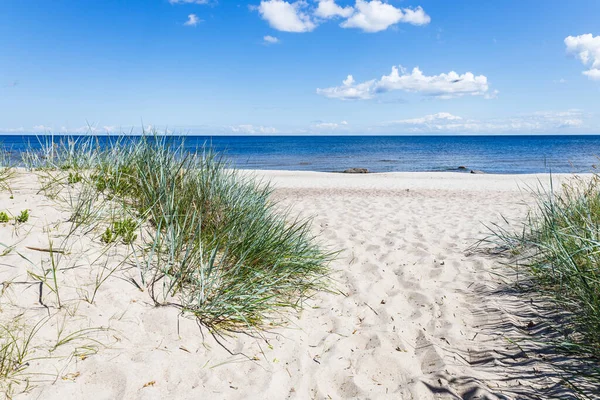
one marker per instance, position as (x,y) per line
(489,154)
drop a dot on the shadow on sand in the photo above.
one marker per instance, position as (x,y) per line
(526,345)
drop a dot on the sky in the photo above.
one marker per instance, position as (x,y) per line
(300,67)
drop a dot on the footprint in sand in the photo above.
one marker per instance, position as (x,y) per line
(430,359)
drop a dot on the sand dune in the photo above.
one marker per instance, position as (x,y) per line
(416,315)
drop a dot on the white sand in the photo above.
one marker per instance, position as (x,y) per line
(416,317)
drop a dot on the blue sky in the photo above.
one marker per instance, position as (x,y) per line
(283,67)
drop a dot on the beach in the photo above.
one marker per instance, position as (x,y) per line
(299,199)
(414,310)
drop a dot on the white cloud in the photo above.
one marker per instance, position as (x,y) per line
(349,90)
(587,48)
(328,9)
(539,122)
(189,1)
(445,85)
(416,16)
(375,16)
(491,95)
(271,40)
(286,17)
(593,74)
(330,126)
(560,119)
(370,16)
(428,119)
(442,85)
(192,20)
(252,129)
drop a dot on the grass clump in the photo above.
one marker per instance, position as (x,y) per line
(4,218)
(15,355)
(560,248)
(7,171)
(214,243)
(217,245)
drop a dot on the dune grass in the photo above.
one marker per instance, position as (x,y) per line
(559,247)
(7,171)
(15,355)
(208,238)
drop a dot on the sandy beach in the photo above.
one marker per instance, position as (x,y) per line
(413,312)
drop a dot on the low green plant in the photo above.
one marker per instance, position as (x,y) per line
(124,229)
(108,236)
(74,177)
(22,217)
(4,218)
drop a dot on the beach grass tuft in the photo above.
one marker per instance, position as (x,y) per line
(559,247)
(7,171)
(211,239)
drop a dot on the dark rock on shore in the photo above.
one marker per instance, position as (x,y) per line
(476,171)
(356,171)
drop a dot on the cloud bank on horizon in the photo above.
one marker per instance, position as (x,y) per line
(271,67)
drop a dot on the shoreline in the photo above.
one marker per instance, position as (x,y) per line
(455,181)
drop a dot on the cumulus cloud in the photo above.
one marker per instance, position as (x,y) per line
(328,9)
(416,16)
(539,122)
(370,16)
(375,16)
(587,48)
(192,20)
(445,85)
(286,17)
(593,73)
(271,40)
(252,129)
(350,90)
(442,85)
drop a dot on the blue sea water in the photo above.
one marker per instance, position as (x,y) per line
(491,154)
